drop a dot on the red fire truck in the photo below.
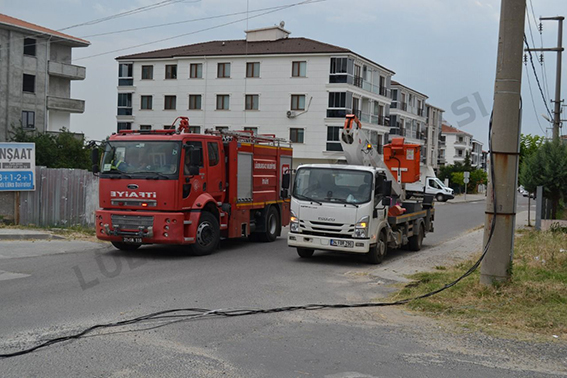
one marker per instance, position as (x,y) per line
(175,187)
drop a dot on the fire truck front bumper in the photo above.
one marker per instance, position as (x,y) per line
(143,227)
(328,243)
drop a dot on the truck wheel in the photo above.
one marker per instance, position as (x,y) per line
(416,241)
(305,253)
(273,226)
(377,252)
(125,246)
(439,197)
(208,235)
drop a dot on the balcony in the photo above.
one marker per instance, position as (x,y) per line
(65,104)
(337,113)
(460,143)
(420,112)
(125,82)
(68,71)
(400,105)
(358,81)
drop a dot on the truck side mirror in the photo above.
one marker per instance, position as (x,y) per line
(387,188)
(285,180)
(95,160)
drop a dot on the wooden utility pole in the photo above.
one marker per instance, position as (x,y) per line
(558,49)
(505,145)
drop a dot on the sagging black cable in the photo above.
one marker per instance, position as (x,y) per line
(195,313)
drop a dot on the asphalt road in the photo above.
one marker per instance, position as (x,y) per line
(57,294)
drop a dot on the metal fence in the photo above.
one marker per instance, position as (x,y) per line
(63,197)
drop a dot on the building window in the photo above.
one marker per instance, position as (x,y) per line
(333,141)
(221,128)
(223,70)
(253,69)
(196,71)
(223,102)
(168,127)
(296,135)
(298,69)
(460,153)
(171,71)
(252,102)
(170,102)
(337,99)
(125,76)
(147,72)
(125,104)
(28,119)
(297,102)
(254,130)
(194,102)
(195,129)
(29,46)
(124,126)
(145,127)
(146,102)
(29,83)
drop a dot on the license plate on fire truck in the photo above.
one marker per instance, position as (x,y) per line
(342,243)
(132,240)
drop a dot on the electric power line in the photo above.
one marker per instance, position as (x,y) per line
(533,102)
(201,30)
(536,77)
(181,22)
(542,62)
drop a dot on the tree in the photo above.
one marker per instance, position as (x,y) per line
(529,144)
(547,167)
(60,150)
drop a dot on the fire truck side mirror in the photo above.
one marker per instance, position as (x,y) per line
(95,160)
(285,180)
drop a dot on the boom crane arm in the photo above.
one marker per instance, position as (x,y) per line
(359,151)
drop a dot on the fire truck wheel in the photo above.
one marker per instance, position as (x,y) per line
(305,253)
(378,251)
(125,246)
(273,226)
(416,241)
(208,235)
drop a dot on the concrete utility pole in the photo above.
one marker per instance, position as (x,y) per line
(558,49)
(505,137)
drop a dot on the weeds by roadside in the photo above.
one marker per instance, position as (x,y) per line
(534,301)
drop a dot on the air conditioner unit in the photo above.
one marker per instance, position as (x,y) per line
(290,114)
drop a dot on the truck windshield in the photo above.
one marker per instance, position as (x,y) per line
(142,158)
(332,185)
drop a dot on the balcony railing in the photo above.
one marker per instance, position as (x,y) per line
(420,112)
(337,113)
(65,104)
(68,71)
(358,81)
(125,82)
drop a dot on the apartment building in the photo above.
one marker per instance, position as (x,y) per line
(408,116)
(476,154)
(296,88)
(432,133)
(36,71)
(455,144)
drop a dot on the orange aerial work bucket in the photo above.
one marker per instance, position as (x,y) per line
(403,157)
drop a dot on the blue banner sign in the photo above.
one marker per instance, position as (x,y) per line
(17,166)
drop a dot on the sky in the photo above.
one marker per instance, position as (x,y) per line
(445,49)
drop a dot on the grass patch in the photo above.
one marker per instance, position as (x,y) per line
(76,231)
(534,300)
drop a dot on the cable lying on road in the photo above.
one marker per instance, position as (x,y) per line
(195,313)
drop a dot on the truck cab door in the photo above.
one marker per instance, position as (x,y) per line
(215,171)
(192,184)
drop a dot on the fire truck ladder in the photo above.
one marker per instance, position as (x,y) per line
(249,137)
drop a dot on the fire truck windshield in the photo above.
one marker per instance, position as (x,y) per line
(332,185)
(142,158)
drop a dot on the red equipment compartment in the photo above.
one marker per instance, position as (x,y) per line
(405,157)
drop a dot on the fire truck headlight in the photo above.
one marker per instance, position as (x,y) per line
(361,228)
(293,223)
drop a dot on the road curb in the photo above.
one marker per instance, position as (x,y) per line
(30,236)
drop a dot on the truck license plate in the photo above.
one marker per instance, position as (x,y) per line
(132,240)
(342,243)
